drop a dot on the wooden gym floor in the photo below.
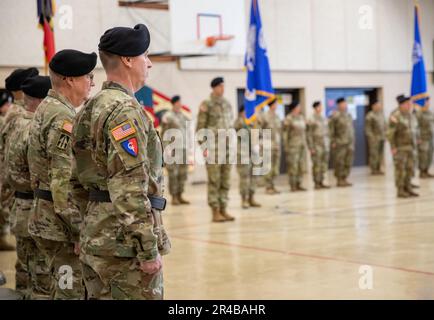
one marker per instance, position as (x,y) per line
(307,245)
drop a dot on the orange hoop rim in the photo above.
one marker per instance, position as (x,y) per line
(212,40)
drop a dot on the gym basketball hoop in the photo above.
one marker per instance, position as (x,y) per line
(212,40)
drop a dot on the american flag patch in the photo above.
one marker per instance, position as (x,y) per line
(67,126)
(123,130)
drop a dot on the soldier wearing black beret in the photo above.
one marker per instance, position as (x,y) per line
(119,160)
(50,169)
(14,111)
(17,172)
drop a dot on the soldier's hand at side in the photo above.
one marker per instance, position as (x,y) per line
(77,248)
(151,267)
(394,151)
(205,153)
(312,151)
(333,145)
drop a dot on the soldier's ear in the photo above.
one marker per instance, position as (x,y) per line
(127,61)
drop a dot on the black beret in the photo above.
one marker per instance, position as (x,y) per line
(73,63)
(293,105)
(5,96)
(37,87)
(17,77)
(402,98)
(339,100)
(216,81)
(123,41)
(272,102)
(375,101)
(316,104)
(175,99)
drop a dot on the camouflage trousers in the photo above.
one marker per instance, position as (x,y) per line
(31,272)
(376,154)
(425,155)
(219,176)
(64,267)
(113,278)
(6,202)
(177,178)
(247,179)
(404,168)
(294,159)
(275,168)
(343,161)
(320,162)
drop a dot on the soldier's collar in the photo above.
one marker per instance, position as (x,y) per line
(56,95)
(214,97)
(116,86)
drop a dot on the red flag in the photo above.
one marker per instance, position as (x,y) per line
(48,42)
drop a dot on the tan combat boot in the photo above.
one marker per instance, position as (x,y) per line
(244,202)
(300,188)
(411,192)
(216,216)
(402,193)
(182,200)
(253,203)
(324,186)
(318,186)
(225,215)
(269,190)
(423,175)
(175,201)
(4,245)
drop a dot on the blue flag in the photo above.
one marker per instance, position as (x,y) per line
(418,81)
(259,90)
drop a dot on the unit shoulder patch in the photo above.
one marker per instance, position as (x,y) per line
(63,141)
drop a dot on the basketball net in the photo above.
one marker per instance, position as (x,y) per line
(222,45)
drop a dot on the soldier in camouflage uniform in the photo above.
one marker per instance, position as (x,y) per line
(245,170)
(400,136)
(175,119)
(32,278)
(375,130)
(342,142)
(318,143)
(55,220)
(13,84)
(270,120)
(294,138)
(216,113)
(425,119)
(119,160)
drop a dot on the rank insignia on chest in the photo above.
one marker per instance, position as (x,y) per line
(131,146)
(63,141)
(123,130)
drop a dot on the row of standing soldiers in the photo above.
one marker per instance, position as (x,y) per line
(323,137)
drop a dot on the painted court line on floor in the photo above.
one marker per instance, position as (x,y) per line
(304,255)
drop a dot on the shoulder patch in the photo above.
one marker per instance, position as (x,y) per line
(131,146)
(203,107)
(125,129)
(63,141)
(67,126)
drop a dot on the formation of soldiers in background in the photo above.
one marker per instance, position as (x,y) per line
(84,189)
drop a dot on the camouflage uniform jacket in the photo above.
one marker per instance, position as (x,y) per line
(49,158)
(270,120)
(341,129)
(400,131)
(375,126)
(425,122)
(294,128)
(117,149)
(17,167)
(317,132)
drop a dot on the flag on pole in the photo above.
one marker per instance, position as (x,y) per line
(45,15)
(259,89)
(418,81)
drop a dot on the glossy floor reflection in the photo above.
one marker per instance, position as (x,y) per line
(307,245)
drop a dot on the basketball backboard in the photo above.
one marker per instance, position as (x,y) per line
(193,22)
